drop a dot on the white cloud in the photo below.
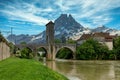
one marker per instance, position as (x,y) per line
(62,6)
(19,15)
(94,10)
(26,13)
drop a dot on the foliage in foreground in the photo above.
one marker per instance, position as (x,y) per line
(26,53)
(24,69)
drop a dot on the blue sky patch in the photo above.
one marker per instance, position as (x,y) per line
(31,16)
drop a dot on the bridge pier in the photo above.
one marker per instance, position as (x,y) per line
(74,56)
(35,54)
(53,53)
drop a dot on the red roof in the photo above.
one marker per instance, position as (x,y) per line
(106,36)
(100,34)
(85,37)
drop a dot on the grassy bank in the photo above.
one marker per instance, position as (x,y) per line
(24,69)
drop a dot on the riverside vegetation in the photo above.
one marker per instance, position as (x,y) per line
(26,69)
(89,50)
(93,50)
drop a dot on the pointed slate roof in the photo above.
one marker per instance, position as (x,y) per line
(49,23)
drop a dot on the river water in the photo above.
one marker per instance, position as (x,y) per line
(87,70)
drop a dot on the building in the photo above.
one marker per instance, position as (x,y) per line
(104,38)
(4,48)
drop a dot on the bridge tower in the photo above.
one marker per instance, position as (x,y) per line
(50,39)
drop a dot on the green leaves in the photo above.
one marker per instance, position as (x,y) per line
(26,53)
(70,41)
(91,49)
(64,53)
(57,41)
(117,48)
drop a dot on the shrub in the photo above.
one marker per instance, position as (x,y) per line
(92,49)
(26,53)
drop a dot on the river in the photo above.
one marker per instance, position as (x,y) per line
(87,70)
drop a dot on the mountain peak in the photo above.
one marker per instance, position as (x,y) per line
(64,25)
(70,16)
(63,16)
(66,16)
(67,25)
(102,26)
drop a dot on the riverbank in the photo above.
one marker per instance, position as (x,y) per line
(24,69)
(87,69)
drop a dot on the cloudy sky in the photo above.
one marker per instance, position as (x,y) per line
(30,16)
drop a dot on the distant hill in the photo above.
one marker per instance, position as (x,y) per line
(64,25)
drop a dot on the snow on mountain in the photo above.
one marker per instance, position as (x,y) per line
(79,33)
(66,26)
(38,37)
(103,29)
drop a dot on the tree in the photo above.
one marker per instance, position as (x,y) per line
(103,52)
(63,39)
(91,49)
(70,41)
(57,41)
(12,48)
(64,53)
(85,52)
(112,54)
(44,52)
(116,47)
(26,53)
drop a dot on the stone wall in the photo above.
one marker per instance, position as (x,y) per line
(4,51)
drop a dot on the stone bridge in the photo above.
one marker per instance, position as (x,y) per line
(55,48)
(59,46)
(50,47)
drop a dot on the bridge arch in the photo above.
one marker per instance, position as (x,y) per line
(25,52)
(42,50)
(70,52)
(69,47)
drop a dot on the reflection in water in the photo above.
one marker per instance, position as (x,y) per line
(117,70)
(87,70)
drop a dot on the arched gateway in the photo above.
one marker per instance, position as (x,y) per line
(50,46)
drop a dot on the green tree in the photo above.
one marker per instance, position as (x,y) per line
(42,50)
(112,54)
(85,52)
(70,41)
(91,49)
(116,46)
(57,41)
(103,52)
(26,53)
(65,53)
(63,39)
(12,48)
